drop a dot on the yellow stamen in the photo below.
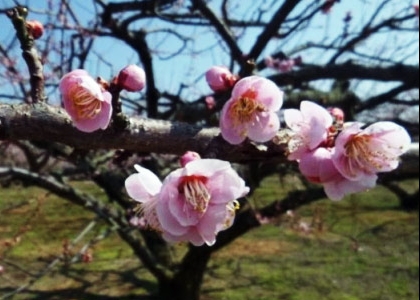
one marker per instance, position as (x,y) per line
(85,103)
(361,154)
(244,108)
(195,192)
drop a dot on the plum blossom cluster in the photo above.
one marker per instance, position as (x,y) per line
(193,203)
(283,65)
(344,157)
(89,101)
(251,112)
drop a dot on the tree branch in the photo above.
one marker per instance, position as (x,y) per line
(272,28)
(221,29)
(399,73)
(46,123)
(112,216)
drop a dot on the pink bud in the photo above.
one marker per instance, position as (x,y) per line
(220,79)
(132,78)
(210,102)
(1,269)
(35,28)
(188,157)
(337,114)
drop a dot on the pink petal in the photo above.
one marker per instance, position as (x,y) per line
(168,222)
(101,120)
(226,186)
(206,167)
(395,137)
(142,185)
(264,128)
(232,133)
(293,118)
(268,92)
(336,190)
(318,166)
(319,120)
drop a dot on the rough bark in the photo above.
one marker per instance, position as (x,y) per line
(41,122)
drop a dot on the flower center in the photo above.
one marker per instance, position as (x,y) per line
(148,212)
(86,104)
(358,147)
(244,108)
(361,154)
(195,192)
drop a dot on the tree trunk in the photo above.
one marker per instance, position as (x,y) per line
(187,281)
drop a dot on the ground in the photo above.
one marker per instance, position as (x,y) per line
(363,247)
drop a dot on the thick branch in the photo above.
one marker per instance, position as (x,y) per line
(399,73)
(46,123)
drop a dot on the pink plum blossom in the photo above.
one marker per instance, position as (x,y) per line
(198,201)
(194,203)
(343,157)
(252,111)
(310,126)
(317,166)
(286,65)
(132,78)
(362,152)
(269,61)
(283,65)
(220,79)
(84,100)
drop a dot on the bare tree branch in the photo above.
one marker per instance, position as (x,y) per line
(46,123)
(272,28)
(398,73)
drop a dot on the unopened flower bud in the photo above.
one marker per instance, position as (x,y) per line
(188,157)
(132,78)
(210,102)
(337,114)
(35,28)
(220,79)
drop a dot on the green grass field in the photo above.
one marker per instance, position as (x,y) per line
(359,248)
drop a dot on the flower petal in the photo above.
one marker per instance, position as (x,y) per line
(142,185)
(264,128)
